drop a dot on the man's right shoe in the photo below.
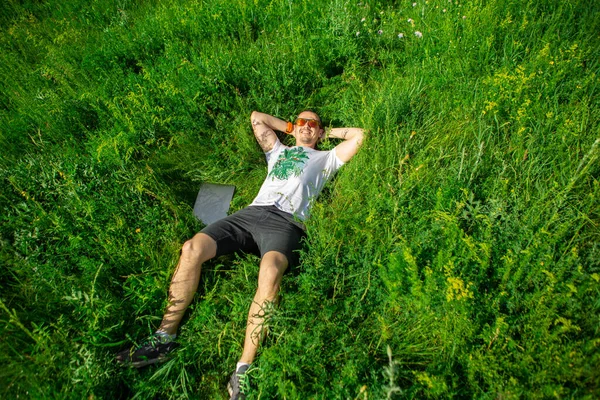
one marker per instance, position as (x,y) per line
(239,385)
(153,350)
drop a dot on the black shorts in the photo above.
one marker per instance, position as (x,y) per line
(258,230)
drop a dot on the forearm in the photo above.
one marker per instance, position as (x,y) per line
(352,140)
(345,133)
(268,120)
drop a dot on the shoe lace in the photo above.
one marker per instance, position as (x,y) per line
(154,341)
(244,382)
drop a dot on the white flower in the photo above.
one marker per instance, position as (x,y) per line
(418,34)
(444,10)
(363,20)
(410,20)
(380,31)
(464,17)
(400,35)
(414,4)
(357,33)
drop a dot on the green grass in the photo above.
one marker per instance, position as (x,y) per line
(456,256)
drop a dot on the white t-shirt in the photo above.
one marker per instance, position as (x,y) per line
(295,178)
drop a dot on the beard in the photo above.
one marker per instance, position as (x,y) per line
(306,137)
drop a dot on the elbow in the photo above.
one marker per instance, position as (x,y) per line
(360,137)
(256,118)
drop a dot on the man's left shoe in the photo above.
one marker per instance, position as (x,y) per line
(154,350)
(239,386)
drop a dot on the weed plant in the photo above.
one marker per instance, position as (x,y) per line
(456,256)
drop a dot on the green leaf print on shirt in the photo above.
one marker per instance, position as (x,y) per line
(290,162)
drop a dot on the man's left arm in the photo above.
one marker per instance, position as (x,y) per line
(353,138)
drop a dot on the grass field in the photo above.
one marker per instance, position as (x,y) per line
(456,256)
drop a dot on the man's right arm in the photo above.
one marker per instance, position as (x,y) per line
(353,138)
(264,127)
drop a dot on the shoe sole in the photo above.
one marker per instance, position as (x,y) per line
(140,364)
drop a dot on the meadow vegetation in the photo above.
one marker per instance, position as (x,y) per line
(456,256)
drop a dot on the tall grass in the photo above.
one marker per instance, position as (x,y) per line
(456,256)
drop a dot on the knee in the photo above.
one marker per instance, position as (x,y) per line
(189,249)
(196,248)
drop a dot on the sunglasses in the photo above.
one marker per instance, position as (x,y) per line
(313,123)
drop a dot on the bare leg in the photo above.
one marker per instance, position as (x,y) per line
(185,280)
(272,267)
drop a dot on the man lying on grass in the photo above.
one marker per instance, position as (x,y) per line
(271,226)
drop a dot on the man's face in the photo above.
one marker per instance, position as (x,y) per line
(306,135)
